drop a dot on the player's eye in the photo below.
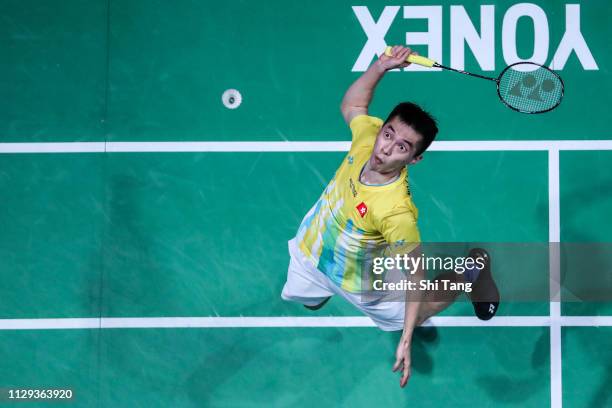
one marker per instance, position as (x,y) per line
(402,148)
(387,135)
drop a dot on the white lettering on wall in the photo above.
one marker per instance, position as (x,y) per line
(432,37)
(375,31)
(463,31)
(573,41)
(540,35)
(481,43)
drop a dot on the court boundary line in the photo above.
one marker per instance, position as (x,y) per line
(287,322)
(291,146)
(554,264)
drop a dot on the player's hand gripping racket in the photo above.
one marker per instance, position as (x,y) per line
(524,86)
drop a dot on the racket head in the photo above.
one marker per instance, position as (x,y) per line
(528,87)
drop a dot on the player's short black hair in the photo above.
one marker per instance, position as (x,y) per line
(421,121)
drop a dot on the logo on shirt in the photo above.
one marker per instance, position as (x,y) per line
(350,160)
(353,189)
(407,185)
(362,208)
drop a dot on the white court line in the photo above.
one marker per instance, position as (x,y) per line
(276,321)
(48,324)
(234,147)
(586,321)
(320,146)
(554,236)
(521,145)
(68,147)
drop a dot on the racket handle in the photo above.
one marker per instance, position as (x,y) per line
(414,59)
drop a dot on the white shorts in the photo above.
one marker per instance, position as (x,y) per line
(309,286)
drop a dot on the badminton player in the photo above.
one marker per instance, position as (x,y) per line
(367,204)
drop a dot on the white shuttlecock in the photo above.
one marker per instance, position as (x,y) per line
(231,99)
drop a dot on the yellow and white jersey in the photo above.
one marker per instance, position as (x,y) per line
(353,222)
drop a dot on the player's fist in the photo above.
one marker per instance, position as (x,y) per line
(398,58)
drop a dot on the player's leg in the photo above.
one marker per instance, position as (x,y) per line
(305,285)
(435,301)
(317,307)
(484,295)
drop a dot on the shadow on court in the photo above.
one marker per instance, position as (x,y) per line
(281,367)
(522,386)
(422,340)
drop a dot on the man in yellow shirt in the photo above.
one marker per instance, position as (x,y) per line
(366,211)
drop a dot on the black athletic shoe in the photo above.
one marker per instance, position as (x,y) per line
(484,295)
(317,307)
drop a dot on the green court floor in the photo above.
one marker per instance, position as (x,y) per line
(116,234)
(307,366)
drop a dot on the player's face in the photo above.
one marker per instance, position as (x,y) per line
(395,147)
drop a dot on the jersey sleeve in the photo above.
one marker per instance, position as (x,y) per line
(364,129)
(400,230)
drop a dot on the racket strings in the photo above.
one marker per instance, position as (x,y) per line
(530,91)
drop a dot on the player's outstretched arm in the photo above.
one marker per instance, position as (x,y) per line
(411,312)
(359,95)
